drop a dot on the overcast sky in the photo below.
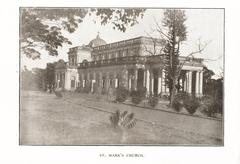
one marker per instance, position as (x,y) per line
(207,24)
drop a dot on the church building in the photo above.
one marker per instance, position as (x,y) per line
(132,63)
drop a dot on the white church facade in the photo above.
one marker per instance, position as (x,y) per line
(128,63)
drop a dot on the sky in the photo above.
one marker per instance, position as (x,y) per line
(204,24)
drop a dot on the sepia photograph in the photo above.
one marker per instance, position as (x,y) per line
(121,76)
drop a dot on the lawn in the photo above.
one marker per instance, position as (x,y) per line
(80,119)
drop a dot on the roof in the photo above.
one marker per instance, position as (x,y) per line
(97,42)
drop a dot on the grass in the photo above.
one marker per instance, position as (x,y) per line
(48,120)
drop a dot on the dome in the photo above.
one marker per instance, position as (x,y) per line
(97,42)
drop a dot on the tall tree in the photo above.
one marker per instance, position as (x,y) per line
(172,33)
(41,28)
(173,21)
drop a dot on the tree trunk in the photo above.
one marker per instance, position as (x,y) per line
(172,94)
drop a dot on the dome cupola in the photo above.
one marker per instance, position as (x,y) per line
(97,41)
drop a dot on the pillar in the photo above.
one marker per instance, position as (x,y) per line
(135,79)
(107,81)
(151,82)
(147,78)
(83,80)
(144,78)
(116,82)
(67,81)
(201,83)
(159,82)
(190,82)
(125,80)
(163,82)
(76,80)
(100,79)
(56,79)
(129,83)
(197,84)
(185,83)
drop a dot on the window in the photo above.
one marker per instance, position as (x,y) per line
(106,56)
(120,53)
(113,56)
(72,82)
(124,53)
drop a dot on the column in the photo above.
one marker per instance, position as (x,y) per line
(107,81)
(56,79)
(144,78)
(87,81)
(163,82)
(83,80)
(201,83)
(100,80)
(116,80)
(147,80)
(76,80)
(67,81)
(186,83)
(125,80)
(159,81)
(135,79)
(151,82)
(92,81)
(190,82)
(197,84)
(129,83)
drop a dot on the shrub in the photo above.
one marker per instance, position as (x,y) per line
(78,89)
(104,91)
(86,89)
(121,94)
(177,103)
(138,95)
(153,101)
(111,94)
(142,91)
(209,106)
(191,104)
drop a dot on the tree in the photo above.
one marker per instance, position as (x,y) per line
(41,28)
(207,80)
(173,33)
(174,22)
(50,74)
(32,79)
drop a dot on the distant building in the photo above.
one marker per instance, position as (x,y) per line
(127,63)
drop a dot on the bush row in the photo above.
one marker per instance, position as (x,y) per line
(206,104)
(136,96)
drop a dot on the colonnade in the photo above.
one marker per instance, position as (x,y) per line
(153,80)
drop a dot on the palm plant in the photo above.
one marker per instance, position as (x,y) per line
(123,121)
